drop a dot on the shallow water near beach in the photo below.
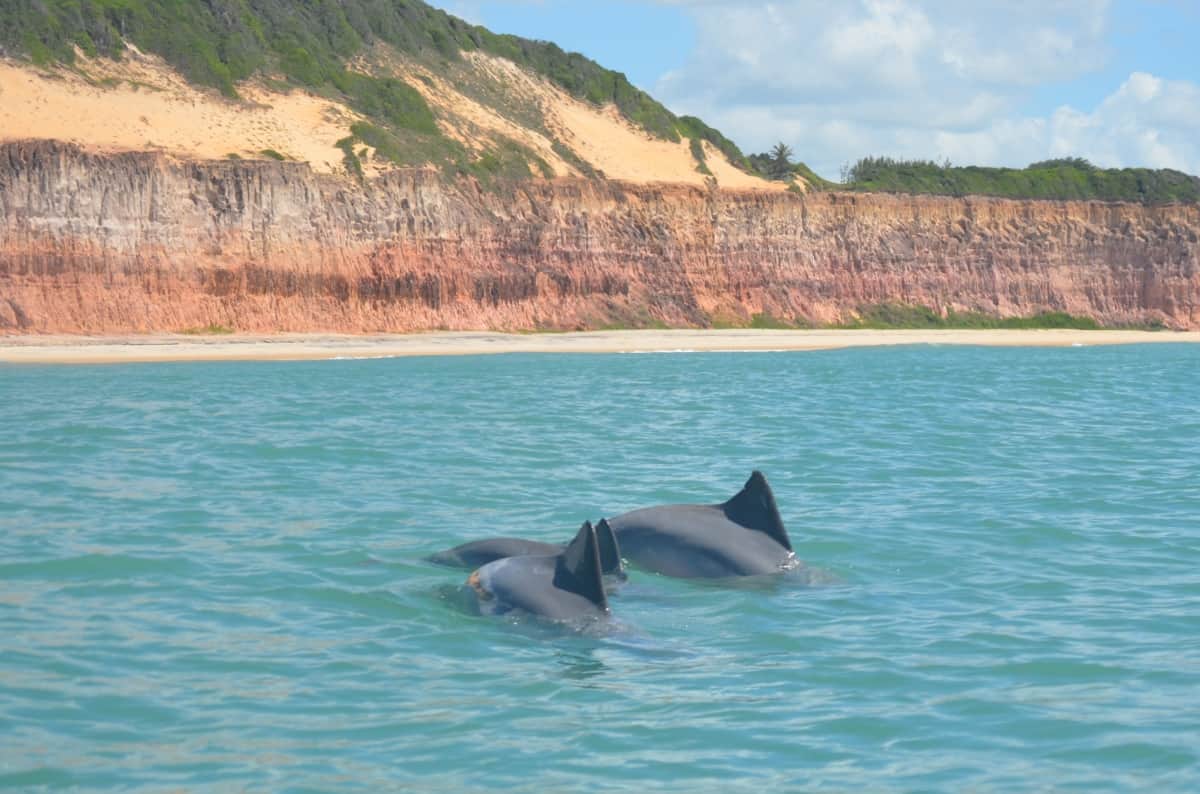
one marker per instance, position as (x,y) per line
(212,575)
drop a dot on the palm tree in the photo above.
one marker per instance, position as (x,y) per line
(780,166)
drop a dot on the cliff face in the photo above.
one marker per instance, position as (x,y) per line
(140,242)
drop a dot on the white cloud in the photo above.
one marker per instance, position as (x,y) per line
(1147,121)
(923,78)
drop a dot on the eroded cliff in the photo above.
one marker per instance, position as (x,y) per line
(93,243)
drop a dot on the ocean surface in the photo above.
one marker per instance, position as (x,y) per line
(212,575)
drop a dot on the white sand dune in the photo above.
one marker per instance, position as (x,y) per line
(141,104)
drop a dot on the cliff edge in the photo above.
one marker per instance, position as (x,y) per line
(144,242)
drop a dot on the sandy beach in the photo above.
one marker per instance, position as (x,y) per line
(284,347)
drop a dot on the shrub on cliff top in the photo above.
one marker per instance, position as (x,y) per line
(1066,178)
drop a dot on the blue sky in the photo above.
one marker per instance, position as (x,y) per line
(989,82)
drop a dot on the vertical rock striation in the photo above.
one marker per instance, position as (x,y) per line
(93,243)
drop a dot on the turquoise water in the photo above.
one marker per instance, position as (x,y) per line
(211,575)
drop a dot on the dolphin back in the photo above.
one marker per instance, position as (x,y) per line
(578,569)
(754,507)
(480,552)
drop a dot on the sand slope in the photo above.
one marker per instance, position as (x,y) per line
(141,103)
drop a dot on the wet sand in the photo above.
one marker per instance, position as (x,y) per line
(284,347)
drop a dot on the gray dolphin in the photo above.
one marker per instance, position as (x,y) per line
(480,552)
(564,586)
(741,537)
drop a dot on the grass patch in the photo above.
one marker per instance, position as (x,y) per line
(389,100)
(543,167)
(644,325)
(505,161)
(695,129)
(758,321)
(815,181)
(888,316)
(212,329)
(625,317)
(769,321)
(349,159)
(697,147)
(574,160)
(410,149)
(138,85)
(272,154)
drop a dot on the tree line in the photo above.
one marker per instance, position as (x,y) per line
(1062,178)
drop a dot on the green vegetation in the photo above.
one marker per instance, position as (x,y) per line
(814,180)
(777,165)
(506,161)
(770,321)
(272,154)
(778,162)
(580,77)
(1070,178)
(568,155)
(903,315)
(219,42)
(648,325)
(212,329)
(388,100)
(896,316)
(543,167)
(406,149)
(1063,179)
(695,129)
(697,147)
(350,159)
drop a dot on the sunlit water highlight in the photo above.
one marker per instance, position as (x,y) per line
(212,575)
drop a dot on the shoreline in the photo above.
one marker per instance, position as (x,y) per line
(127,349)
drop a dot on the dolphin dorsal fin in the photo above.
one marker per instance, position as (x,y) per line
(578,567)
(610,550)
(754,508)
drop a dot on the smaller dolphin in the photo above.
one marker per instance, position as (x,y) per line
(564,586)
(744,536)
(480,552)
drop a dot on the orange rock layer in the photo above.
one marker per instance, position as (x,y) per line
(140,242)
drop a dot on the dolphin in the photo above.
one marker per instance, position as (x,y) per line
(480,552)
(563,586)
(741,537)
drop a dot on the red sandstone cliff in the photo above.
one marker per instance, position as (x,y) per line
(140,242)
